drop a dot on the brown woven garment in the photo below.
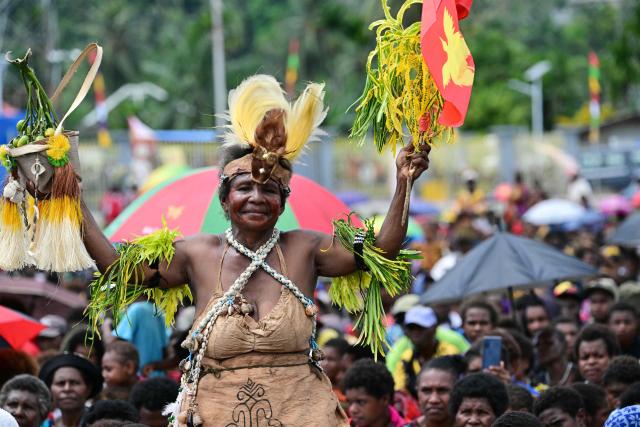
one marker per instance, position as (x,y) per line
(257,372)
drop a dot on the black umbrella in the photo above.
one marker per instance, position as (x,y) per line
(503,262)
(628,233)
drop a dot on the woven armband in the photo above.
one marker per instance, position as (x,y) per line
(358,247)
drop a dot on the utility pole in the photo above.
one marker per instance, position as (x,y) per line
(218,62)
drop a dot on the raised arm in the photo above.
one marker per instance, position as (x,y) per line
(336,260)
(104,255)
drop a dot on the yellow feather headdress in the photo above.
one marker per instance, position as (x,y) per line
(256,96)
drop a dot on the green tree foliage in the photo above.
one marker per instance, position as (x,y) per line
(168,42)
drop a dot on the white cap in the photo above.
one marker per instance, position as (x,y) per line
(421,316)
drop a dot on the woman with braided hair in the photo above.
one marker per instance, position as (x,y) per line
(253,357)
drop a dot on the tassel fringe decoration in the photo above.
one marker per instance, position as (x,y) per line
(360,292)
(58,239)
(121,284)
(13,237)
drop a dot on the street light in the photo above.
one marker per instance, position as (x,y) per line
(533,89)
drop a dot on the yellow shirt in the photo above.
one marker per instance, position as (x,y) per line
(400,377)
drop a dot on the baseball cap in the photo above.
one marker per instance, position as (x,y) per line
(404,303)
(421,316)
(630,292)
(605,284)
(56,326)
(567,289)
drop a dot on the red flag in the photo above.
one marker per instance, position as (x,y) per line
(447,56)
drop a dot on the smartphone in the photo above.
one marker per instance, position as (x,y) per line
(491,351)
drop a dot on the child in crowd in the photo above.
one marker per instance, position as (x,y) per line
(119,368)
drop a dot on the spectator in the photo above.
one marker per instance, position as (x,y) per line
(624,417)
(517,419)
(473,359)
(369,389)
(596,404)
(80,340)
(534,314)
(119,367)
(420,327)
(525,362)
(15,362)
(561,406)
(143,327)
(569,328)
(72,380)
(150,397)
(110,410)
(27,399)
(551,350)
(519,398)
(51,337)
(623,322)
(509,356)
(434,386)
(594,349)
(602,293)
(478,400)
(333,350)
(620,374)
(478,318)
(631,396)
(568,297)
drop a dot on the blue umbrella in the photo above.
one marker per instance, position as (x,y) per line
(503,262)
(628,233)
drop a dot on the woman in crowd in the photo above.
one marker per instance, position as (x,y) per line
(73,380)
(434,386)
(27,399)
(594,349)
(477,400)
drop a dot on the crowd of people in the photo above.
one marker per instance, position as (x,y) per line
(569,352)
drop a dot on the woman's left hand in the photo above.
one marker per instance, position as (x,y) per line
(412,162)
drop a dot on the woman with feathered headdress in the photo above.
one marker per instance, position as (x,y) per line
(253,354)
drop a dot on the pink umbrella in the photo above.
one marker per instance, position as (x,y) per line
(615,204)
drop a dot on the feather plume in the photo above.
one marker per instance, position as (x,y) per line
(306,115)
(249,102)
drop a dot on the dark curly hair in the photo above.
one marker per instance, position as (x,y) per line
(564,398)
(593,396)
(153,394)
(229,152)
(120,410)
(374,377)
(596,332)
(455,365)
(631,396)
(516,419)
(624,307)
(622,369)
(480,386)
(519,398)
